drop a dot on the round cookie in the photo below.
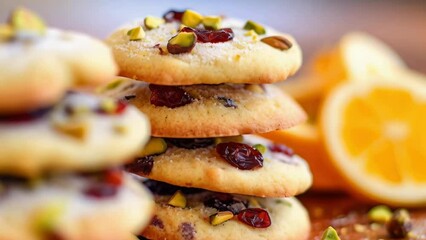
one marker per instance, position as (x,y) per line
(244,59)
(66,207)
(81,133)
(289,219)
(37,69)
(281,175)
(216,110)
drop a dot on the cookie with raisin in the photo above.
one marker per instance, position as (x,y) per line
(199,111)
(209,215)
(105,205)
(38,64)
(181,51)
(80,133)
(248,165)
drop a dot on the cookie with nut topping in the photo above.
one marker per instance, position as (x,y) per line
(186,48)
(199,111)
(74,207)
(246,165)
(38,64)
(80,133)
(209,215)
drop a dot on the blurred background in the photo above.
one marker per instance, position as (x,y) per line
(315,24)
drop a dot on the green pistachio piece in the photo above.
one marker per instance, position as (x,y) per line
(330,234)
(109,86)
(6,32)
(261,148)
(47,218)
(259,29)
(108,105)
(153,22)
(154,146)
(136,34)
(211,22)
(278,42)
(77,130)
(24,20)
(220,217)
(178,200)
(191,18)
(380,214)
(183,42)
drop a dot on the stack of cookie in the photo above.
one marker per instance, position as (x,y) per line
(61,151)
(202,81)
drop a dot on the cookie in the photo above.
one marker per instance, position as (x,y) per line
(288,218)
(37,68)
(209,110)
(81,133)
(74,208)
(243,59)
(198,163)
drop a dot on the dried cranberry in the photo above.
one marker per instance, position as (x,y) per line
(114,177)
(25,117)
(255,217)
(142,166)
(211,36)
(281,149)
(162,188)
(101,190)
(173,15)
(240,155)
(190,143)
(225,202)
(169,96)
(227,102)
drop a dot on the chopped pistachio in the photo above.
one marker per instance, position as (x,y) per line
(211,22)
(330,234)
(183,42)
(136,34)
(251,25)
(110,86)
(380,214)
(178,200)
(238,138)
(191,18)
(47,217)
(6,32)
(278,42)
(261,148)
(282,201)
(108,105)
(73,129)
(220,217)
(154,146)
(24,20)
(151,22)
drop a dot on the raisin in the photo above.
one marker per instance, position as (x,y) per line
(190,143)
(400,224)
(25,117)
(173,15)
(281,149)
(157,222)
(211,36)
(227,102)
(141,165)
(240,155)
(101,190)
(225,202)
(169,96)
(255,217)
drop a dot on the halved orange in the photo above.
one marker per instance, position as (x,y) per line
(305,140)
(375,134)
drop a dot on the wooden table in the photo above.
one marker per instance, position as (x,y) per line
(349,217)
